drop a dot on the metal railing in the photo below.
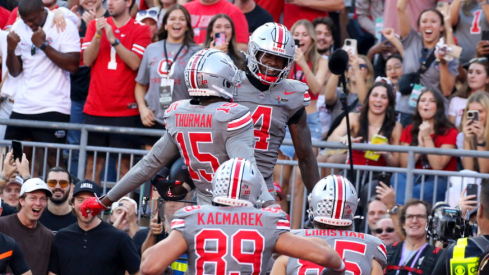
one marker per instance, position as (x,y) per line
(85,129)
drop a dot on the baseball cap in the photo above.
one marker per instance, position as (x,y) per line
(149,13)
(277,188)
(87,186)
(35,184)
(115,205)
(17,180)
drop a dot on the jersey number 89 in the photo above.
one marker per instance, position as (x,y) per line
(228,246)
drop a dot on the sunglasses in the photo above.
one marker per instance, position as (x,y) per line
(150,12)
(62,183)
(381,230)
(480,60)
(361,66)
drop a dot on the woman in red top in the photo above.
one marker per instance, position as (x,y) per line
(430,129)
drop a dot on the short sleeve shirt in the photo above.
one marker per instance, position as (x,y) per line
(202,14)
(11,256)
(154,68)
(45,86)
(450,137)
(112,82)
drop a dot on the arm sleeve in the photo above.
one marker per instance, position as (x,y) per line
(141,41)
(129,254)
(70,39)
(381,254)
(163,152)
(143,72)
(88,35)
(241,26)
(18,264)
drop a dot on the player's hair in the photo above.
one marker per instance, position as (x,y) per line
(389,116)
(318,225)
(326,21)
(28,6)
(484,197)
(411,202)
(188,39)
(233,51)
(311,55)
(59,169)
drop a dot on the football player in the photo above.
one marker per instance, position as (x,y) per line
(332,204)
(276,102)
(231,237)
(205,130)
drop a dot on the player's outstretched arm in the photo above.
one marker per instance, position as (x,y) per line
(310,249)
(156,259)
(280,266)
(301,138)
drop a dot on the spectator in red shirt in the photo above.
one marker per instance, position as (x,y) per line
(295,10)
(203,10)
(274,7)
(430,129)
(113,47)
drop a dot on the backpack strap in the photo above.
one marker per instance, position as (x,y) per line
(481,242)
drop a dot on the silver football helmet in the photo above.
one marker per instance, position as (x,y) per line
(236,183)
(333,201)
(271,38)
(211,72)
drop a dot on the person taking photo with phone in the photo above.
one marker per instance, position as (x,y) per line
(221,35)
(477,80)
(475,131)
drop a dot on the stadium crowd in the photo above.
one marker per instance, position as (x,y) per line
(417,75)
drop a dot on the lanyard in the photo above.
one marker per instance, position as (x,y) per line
(168,64)
(415,258)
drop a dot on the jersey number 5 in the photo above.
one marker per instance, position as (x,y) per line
(195,138)
(341,246)
(262,134)
(215,256)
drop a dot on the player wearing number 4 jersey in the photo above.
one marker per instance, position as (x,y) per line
(206,130)
(276,102)
(224,240)
(332,205)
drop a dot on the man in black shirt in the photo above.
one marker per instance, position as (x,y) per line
(255,15)
(92,246)
(463,256)
(11,256)
(58,214)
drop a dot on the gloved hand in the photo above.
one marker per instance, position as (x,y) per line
(170,190)
(93,206)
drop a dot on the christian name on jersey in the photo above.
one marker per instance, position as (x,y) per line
(333,233)
(193,120)
(219,218)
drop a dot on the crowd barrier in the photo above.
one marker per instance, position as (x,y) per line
(342,169)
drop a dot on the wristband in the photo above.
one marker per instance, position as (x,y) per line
(97,35)
(341,268)
(27,178)
(44,46)
(483,144)
(2,176)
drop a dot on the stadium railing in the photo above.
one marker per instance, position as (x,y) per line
(83,148)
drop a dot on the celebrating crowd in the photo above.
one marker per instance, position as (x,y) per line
(226,82)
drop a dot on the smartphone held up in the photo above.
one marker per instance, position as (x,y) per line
(220,39)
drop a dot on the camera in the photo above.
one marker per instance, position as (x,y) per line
(446,223)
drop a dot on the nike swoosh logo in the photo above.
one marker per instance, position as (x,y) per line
(122,35)
(288,93)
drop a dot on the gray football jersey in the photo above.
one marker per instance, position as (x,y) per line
(209,135)
(229,240)
(357,249)
(469,31)
(271,111)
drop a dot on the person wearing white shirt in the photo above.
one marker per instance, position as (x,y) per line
(45,58)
